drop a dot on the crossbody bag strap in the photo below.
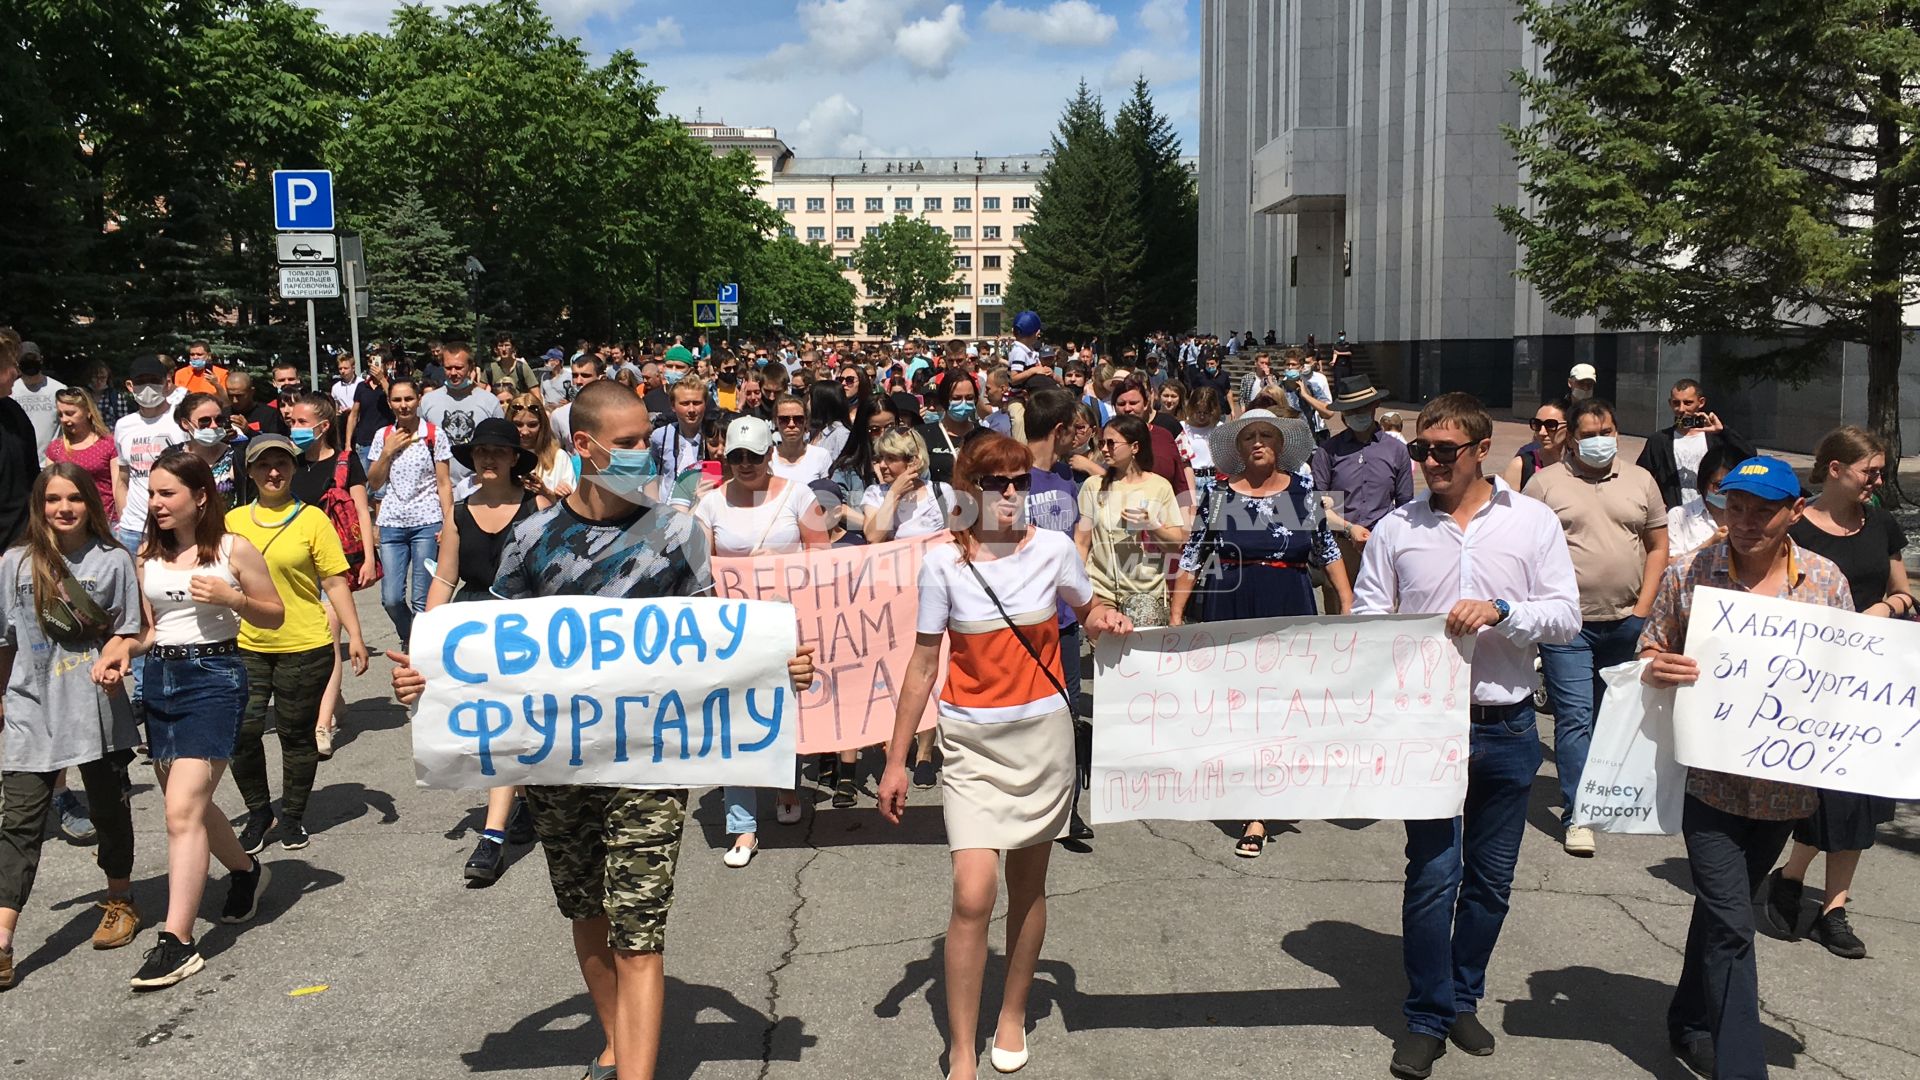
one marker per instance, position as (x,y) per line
(1020,637)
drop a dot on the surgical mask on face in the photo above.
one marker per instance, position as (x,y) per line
(303,437)
(211,436)
(1291,373)
(960,410)
(1716,500)
(1597,451)
(930,415)
(31,366)
(198,363)
(1360,422)
(634,463)
(148,396)
(670,376)
(458,384)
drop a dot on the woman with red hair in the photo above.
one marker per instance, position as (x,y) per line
(1006,728)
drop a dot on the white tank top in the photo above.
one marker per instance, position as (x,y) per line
(177,619)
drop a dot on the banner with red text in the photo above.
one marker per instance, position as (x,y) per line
(856,606)
(1295,718)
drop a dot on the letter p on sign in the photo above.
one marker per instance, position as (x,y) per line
(303,200)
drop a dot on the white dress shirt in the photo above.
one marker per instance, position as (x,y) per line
(1420,562)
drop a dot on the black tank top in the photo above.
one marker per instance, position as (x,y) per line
(480,550)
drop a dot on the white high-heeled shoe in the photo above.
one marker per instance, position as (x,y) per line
(1008,1061)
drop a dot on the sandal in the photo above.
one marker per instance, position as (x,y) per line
(1251,843)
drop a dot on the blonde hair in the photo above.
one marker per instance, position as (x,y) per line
(1390,421)
(546,449)
(89,412)
(908,444)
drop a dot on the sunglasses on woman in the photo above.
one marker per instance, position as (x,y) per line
(1546,426)
(1002,483)
(745,457)
(874,431)
(789,421)
(1443,453)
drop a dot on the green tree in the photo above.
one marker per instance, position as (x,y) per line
(1741,169)
(415,271)
(799,284)
(1169,215)
(1081,257)
(907,271)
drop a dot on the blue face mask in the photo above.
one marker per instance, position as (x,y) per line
(930,415)
(1717,500)
(628,464)
(198,363)
(671,376)
(303,437)
(960,410)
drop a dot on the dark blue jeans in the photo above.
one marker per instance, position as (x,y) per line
(1719,990)
(1574,689)
(1460,874)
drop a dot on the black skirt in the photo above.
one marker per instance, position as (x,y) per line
(1844,821)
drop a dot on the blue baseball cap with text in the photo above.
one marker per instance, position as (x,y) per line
(1767,478)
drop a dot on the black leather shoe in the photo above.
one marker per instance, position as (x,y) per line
(1078,828)
(1414,1055)
(1471,1035)
(484,864)
(1696,1054)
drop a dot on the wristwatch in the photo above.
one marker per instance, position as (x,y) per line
(1505,609)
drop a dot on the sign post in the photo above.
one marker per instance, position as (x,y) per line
(706,313)
(353,266)
(308,250)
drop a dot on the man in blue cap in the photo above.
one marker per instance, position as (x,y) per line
(1735,826)
(556,382)
(1029,372)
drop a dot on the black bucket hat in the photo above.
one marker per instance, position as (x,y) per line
(496,431)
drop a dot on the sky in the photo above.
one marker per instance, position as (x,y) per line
(886,77)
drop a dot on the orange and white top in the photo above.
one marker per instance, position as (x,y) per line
(991,679)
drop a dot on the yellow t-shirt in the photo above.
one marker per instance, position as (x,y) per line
(1121,561)
(300,554)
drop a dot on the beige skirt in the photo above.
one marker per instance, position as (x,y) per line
(1007,786)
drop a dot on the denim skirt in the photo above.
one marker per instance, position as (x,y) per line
(194,706)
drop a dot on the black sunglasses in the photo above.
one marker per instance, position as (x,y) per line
(1002,483)
(1548,426)
(875,430)
(744,457)
(789,421)
(1443,453)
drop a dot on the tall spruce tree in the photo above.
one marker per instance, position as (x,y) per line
(414,269)
(1725,168)
(1169,214)
(1082,253)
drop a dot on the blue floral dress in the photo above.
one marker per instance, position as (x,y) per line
(1250,555)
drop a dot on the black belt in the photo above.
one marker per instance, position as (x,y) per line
(1497,714)
(195,651)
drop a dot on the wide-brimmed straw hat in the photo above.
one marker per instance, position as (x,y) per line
(1296,441)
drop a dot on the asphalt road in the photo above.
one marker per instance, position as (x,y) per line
(1166,955)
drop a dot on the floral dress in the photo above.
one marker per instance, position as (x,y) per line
(1250,555)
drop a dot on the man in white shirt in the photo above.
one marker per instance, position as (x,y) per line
(138,441)
(33,392)
(1496,563)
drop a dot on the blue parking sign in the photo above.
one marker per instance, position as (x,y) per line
(729,294)
(303,199)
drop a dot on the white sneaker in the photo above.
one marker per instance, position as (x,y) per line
(323,741)
(1579,841)
(741,855)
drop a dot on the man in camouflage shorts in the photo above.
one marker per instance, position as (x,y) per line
(610,851)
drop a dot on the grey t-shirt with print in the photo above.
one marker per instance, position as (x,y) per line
(56,715)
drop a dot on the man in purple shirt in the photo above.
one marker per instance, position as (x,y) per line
(1362,474)
(1053,504)
(1496,563)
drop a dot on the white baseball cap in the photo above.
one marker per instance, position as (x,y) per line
(749,433)
(1583,373)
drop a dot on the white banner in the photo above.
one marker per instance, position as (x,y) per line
(1355,717)
(1806,694)
(561,690)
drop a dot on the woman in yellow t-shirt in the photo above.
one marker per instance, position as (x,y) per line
(1130,527)
(288,666)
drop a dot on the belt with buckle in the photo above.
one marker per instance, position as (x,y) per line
(228,647)
(1497,714)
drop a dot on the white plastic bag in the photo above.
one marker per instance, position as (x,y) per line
(1632,782)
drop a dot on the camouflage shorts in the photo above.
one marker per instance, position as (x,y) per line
(611,851)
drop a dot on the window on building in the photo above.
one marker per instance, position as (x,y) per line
(878,329)
(991,288)
(989,324)
(930,205)
(989,262)
(785,206)
(846,262)
(990,202)
(963,232)
(843,232)
(873,230)
(786,230)
(816,232)
(965,288)
(1293,270)
(875,206)
(1022,202)
(962,323)
(1019,231)
(843,206)
(816,206)
(963,262)
(989,232)
(963,204)
(903,205)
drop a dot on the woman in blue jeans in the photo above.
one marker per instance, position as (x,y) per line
(409,459)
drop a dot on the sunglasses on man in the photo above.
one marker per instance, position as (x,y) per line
(1442,453)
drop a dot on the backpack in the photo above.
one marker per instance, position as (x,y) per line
(337,501)
(381,435)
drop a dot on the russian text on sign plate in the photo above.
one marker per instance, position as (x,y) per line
(1311,717)
(1805,694)
(628,693)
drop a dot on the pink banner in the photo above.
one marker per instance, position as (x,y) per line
(856,607)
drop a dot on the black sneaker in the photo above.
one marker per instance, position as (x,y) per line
(1469,1034)
(1414,1055)
(845,794)
(243,893)
(293,835)
(486,862)
(1836,933)
(253,836)
(1782,908)
(1696,1054)
(924,774)
(169,961)
(520,826)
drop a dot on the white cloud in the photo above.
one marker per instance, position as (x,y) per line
(1064,22)
(834,128)
(929,44)
(666,33)
(1164,20)
(1158,65)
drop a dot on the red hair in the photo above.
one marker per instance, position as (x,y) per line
(991,454)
